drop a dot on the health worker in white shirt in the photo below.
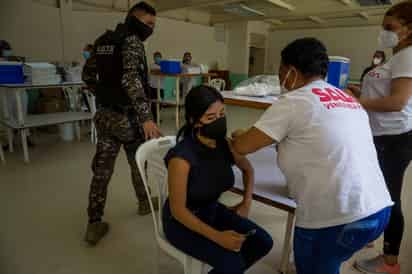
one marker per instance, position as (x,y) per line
(326,152)
(386,95)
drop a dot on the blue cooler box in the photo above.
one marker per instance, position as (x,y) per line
(11,73)
(170,67)
(338,72)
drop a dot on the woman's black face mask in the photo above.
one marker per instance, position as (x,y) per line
(216,130)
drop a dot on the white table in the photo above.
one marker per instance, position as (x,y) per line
(248,101)
(271,189)
(22,122)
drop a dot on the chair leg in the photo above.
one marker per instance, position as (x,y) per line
(2,159)
(287,245)
(10,136)
(193,266)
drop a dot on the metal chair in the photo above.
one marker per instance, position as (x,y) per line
(153,170)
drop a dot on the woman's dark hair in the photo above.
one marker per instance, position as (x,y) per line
(142,6)
(402,11)
(308,55)
(198,101)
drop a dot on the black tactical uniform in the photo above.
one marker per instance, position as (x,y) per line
(117,74)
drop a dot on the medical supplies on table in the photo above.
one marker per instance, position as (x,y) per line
(11,73)
(338,72)
(259,86)
(41,73)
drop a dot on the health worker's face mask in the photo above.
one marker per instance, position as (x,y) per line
(388,39)
(283,87)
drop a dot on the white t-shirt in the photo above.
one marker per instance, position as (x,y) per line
(377,83)
(154,80)
(326,151)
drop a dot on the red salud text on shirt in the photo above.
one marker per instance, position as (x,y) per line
(335,98)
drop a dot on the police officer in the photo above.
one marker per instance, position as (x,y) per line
(117,73)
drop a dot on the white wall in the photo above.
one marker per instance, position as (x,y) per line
(238,48)
(34,30)
(358,44)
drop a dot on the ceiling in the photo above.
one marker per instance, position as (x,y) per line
(280,14)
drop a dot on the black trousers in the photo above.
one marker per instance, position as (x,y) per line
(394,153)
(222,260)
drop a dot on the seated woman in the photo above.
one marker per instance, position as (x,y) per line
(326,151)
(200,170)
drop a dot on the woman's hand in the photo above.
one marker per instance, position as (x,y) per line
(243,208)
(230,240)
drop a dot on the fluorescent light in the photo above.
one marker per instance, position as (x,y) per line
(242,10)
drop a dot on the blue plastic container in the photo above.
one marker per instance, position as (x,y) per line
(338,72)
(11,73)
(170,67)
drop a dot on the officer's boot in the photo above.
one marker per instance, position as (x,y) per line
(95,232)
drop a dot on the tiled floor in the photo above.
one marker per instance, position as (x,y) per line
(44,216)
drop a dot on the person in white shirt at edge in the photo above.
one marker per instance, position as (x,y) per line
(325,150)
(154,82)
(386,95)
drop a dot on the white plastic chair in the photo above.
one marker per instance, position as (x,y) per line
(91,100)
(218,84)
(153,170)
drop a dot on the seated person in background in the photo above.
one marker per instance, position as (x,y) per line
(186,83)
(5,50)
(6,53)
(187,58)
(326,152)
(154,82)
(200,170)
(379,58)
(87,51)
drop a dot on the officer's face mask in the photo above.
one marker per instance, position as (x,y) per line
(143,30)
(216,130)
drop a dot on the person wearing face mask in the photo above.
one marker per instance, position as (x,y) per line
(379,58)
(117,72)
(386,95)
(87,51)
(326,152)
(5,50)
(199,171)
(154,82)
(187,58)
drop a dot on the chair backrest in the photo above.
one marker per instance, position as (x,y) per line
(150,160)
(218,84)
